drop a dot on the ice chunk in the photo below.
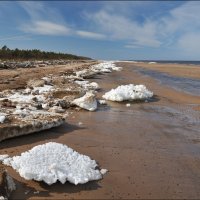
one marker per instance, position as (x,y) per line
(128,105)
(88,85)
(103,171)
(102,101)
(56,109)
(88,101)
(2,157)
(44,89)
(54,161)
(80,123)
(2,118)
(21,98)
(128,92)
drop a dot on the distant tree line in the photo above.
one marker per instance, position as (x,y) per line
(17,54)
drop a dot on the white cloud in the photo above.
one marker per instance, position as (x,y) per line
(91,35)
(123,28)
(38,11)
(174,29)
(46,28)
(182,19)
(177,28)
(181,29)
(131,46)
(44,20)
(16,37)
(190,43)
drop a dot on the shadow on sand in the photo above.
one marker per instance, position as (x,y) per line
(39,136)
(24,191)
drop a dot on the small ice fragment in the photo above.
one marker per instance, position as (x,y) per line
(27,191)
(80,123)
(102,101)
(45,106)
(103,171)
(128,105)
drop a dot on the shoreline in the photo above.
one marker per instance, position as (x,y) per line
(150,156)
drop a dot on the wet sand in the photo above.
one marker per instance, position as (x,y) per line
(151,149)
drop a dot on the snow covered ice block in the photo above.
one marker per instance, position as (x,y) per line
(25,122)
(54,161)
(128,93)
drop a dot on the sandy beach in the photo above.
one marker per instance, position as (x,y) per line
(151,149)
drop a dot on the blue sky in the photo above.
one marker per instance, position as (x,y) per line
(166,30)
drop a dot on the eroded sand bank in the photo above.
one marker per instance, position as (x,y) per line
(151,149)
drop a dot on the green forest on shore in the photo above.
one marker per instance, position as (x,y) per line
(17,54)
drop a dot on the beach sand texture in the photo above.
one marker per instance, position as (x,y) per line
(151,149)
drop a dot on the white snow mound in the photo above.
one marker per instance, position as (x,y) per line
(88,102)
(54,161)
(128,93)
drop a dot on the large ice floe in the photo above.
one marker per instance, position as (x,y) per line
(54,161)
(128,93)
